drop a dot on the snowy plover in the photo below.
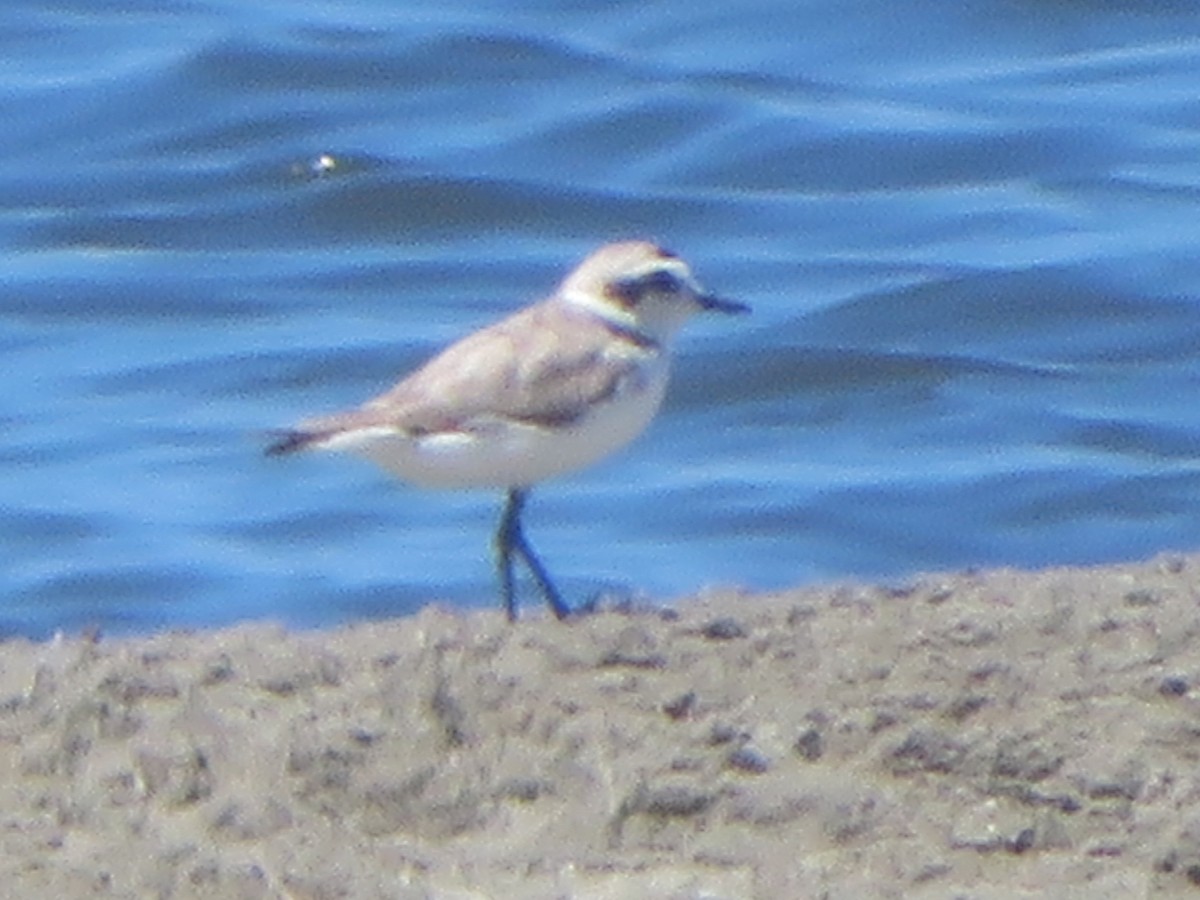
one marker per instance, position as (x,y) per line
(553,387)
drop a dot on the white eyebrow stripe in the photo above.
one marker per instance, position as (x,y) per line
(675,266)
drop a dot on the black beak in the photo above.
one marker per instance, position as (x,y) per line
(711,303)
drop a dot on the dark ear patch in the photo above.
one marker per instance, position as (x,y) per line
(625,292)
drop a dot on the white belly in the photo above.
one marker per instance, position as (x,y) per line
(502,453)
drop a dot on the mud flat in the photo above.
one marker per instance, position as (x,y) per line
(988,735)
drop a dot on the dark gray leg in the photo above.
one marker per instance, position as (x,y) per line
(509,538)
(504,548)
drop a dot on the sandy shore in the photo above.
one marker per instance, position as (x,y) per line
(983,735)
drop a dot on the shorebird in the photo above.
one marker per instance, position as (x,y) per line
(552,388)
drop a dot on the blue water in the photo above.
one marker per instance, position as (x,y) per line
(968,232)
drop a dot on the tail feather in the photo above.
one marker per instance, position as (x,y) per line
(291,441)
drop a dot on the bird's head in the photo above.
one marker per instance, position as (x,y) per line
(641,286)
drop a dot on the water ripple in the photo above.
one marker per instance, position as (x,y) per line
(963,231)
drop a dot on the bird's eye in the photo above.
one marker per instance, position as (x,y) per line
(660,282)
(631,291)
